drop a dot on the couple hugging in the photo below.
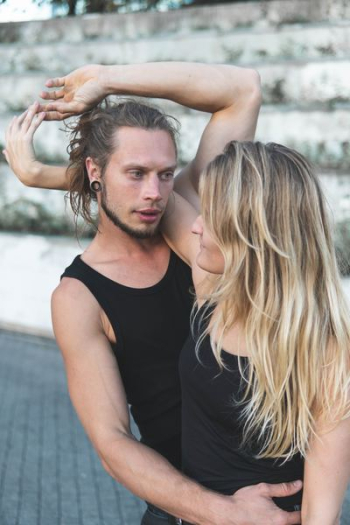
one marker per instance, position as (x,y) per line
(209,302)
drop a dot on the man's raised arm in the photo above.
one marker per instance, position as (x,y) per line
(231,94)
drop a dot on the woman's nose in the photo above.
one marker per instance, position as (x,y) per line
(197,226)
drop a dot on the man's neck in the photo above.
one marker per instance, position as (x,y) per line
(137,263)
(114,242)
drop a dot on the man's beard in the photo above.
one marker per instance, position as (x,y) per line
(113,217)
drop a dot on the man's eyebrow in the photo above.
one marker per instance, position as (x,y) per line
(138,166)
(170,168)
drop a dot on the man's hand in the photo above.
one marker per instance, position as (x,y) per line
(74,94)
(255,505)
(19,151)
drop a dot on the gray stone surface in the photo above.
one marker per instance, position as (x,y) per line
(274,14)
(240,46)
(49,473)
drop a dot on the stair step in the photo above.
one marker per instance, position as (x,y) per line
(222,18)
(242,47)
(322,136)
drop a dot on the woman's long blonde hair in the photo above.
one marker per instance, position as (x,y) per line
(264,206)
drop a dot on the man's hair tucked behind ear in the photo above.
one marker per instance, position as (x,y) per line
(93,135)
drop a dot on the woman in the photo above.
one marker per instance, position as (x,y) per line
(265,377)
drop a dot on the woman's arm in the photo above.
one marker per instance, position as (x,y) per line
(327,474)
(20,154)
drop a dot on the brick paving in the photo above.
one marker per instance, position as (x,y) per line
(49,473)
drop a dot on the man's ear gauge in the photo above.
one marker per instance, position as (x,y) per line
(95,186)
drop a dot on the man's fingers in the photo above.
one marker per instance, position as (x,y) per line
(55,82)
(43,107)
(54,106)
(293,518)
(55,115)
(281,490)
(6,156)
(46,95)
(59,94)
(28,118)
(21,117)
(36,123)
(52,95)
(59,110)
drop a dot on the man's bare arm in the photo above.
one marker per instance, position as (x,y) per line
(97,393)
(203,87)
(20,154)
(231,94)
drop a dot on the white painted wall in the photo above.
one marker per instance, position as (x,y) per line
(30,269)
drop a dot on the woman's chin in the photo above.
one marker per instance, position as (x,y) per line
(204,264)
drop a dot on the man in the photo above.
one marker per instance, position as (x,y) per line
(128,264)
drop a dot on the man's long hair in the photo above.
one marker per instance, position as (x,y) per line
(94,135)
(265,209)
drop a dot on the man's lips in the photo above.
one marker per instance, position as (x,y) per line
(149,214)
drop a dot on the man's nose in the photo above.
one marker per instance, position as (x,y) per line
(152,188)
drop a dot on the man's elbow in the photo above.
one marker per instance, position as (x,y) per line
(253,91)
(112,452)
(245,87)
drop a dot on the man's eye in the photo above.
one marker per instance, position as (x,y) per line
(136,173)
(167,175)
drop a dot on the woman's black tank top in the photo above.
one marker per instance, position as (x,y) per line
(151,325)
(212,451)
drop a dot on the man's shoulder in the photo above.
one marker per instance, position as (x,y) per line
(71,293)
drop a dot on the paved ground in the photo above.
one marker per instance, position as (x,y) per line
(49,474)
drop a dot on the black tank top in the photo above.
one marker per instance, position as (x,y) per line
(150,325)
(212,449)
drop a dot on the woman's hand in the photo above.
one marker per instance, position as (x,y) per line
(76,93)
(19,151)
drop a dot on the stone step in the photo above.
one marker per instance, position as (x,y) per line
(322,136)
(306,84)
(221,18)
(300,83)
(336,186)
(12,189)
(244,47)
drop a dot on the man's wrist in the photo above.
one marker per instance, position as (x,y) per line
(109,79)
(220,509)
(32,175)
